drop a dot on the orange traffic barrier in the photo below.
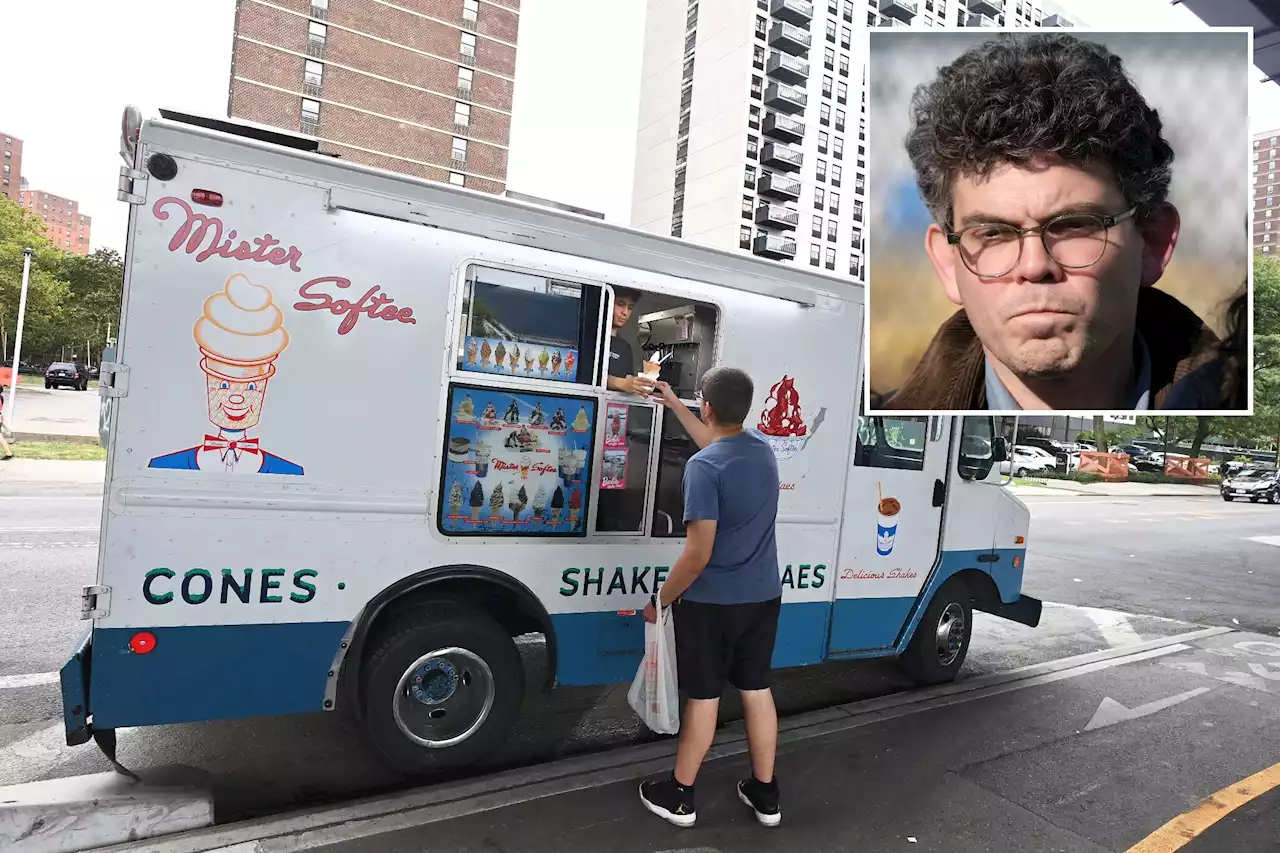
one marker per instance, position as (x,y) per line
(1186,468)
(1112,467)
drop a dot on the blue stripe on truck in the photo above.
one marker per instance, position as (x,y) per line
(211,672)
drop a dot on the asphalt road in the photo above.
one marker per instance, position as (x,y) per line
(1191,562)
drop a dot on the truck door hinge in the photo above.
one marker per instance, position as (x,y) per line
(95,602)
(133,186)
(113,379)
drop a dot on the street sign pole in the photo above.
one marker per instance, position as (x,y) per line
(17,339)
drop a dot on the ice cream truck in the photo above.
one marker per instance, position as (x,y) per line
(360,441)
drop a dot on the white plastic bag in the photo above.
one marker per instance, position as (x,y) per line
(653,694)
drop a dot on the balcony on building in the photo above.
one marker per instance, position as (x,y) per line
(986,7)
(779,187)
(774,246)
(798,12)
(789,38)
(981,21)
(891,22)
(787,68)
(1056,20)
(785,99)
(777,216)
(779,155)
(783,127)
(903,10)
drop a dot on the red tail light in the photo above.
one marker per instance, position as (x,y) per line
(143,642)
(208,197)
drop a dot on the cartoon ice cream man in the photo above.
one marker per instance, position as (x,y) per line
(240,336)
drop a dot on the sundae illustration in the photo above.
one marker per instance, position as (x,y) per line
(558,421)
(569,359)
(782,422)
(466,409)
(581,423)
(521,439)
(555,361)
(512,414)
(477,501)
(486,352)
(538,416)
(500,355)
(455,498)
(540,504)
(518,502)
(575,504)
(495,503)
(543,358)
(515,357)
(557,505)
(490,415)
(483,451)
(471,352)
(458,449)
(240,335)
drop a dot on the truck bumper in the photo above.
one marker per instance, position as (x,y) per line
(75,692)
(1025,610)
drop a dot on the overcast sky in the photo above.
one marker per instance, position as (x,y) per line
(75,64)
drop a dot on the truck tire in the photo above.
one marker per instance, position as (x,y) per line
(1228,498)
(441,686)
(941,640)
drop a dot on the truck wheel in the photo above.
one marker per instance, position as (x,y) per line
(1228,498)
(941,640)
(442,685)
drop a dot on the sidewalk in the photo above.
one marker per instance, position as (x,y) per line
(1089,755)
(1060,488)
(19,470)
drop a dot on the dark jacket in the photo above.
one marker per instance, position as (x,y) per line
(952,373)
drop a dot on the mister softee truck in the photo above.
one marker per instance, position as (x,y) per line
(360,439)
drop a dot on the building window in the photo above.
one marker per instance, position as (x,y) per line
(815,254)
(817,226)
(831,258)
(831,31)
(837,148)
(835,203)
(823,139)
(310,111)
(459,150)
(753,147)
(471,10)
(832,225)
(461,114)
(317,34)
(759,57)
(859,184)
(829,59)
(762,26)
(840,120)
(822,170)
(819,196)
(826,85)
(856,241)
(842,92)
(748,205)
(862,132)
(854,266)
(457,179)
(744,237)
(844,65)
(465,78)
(754,121)
(757,86)
(837,174)
(848,10)
(857,210)
(846,37)
(467,45)
(824,114)
(313,73)
(749,177)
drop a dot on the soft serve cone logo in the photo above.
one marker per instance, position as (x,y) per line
(240,335)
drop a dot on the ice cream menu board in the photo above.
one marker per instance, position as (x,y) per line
(516,464)
(512,358)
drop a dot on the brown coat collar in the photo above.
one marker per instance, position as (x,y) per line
(952,373)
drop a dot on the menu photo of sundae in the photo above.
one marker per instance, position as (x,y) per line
(518,467)
(526,360)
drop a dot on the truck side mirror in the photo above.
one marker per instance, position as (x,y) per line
(1000,449)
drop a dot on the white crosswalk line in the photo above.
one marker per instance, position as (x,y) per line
(1265,540)
(29,680)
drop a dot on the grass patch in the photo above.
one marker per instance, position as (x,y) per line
(1134,477)
(58,451)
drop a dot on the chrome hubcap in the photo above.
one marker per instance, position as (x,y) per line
(949,637)
(443,697)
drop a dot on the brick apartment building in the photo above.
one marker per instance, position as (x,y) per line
(67,227)
(1266,233)
(422,87)
(11,172)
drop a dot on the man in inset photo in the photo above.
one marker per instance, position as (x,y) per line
(1047,177)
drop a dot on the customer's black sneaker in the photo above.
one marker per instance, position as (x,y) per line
(669,801)
(763,800)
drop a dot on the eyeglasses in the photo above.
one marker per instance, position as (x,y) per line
(1073,240)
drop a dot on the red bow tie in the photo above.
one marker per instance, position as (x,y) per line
(241,445)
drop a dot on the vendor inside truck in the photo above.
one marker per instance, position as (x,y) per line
(622,361)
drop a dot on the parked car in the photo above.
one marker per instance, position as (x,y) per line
(1254,484)
(65,374)
(1026,460)
(1135,451)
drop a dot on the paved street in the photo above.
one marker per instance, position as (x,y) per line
(55,412)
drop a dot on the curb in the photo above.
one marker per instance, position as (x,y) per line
(318,827)
(53,438)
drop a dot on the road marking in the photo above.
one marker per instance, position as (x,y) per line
(1188,826)
(1111,712)
(1265,540)
(1113,625)
(32,546)
(8,682)
(48,529)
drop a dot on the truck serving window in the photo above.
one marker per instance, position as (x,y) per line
(529,326)
(891,443)
(516,463)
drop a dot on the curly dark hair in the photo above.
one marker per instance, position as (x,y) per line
(1017,98)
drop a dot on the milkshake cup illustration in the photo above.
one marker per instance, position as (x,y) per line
(477,501)
(887,525)
(579,460)
(557,505)
(483,452)
(566,463)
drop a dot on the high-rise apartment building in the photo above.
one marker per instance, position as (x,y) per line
(752,130)
(422,87)
(1266,234)
(68,228)
(11,171)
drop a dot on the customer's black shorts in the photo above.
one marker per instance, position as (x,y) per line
(719,643)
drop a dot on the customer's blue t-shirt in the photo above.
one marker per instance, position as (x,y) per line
(734,482)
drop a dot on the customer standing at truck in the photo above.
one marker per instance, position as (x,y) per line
(622,361)
(725,593)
